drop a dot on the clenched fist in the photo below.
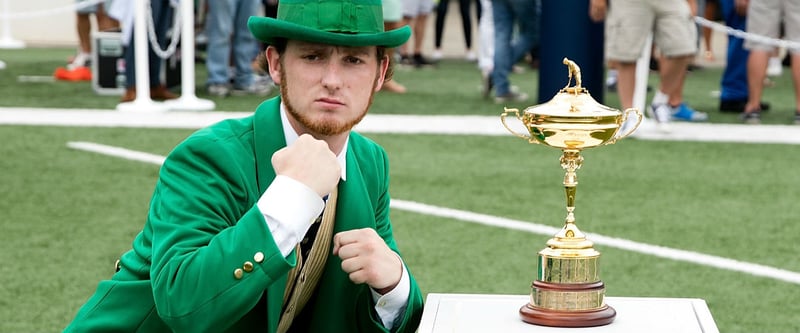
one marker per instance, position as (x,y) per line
(367,259)
(309,161)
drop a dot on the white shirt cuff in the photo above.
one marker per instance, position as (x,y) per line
(390,305)
(289,207)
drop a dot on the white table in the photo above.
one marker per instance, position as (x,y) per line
(500,313)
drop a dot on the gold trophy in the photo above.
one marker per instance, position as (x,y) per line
(567,291)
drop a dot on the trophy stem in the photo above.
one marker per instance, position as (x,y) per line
(571,161)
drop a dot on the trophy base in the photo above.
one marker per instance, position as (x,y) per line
(584,318)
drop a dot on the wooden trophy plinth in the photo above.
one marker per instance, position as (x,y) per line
(566,317)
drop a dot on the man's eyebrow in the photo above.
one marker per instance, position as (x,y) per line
(310,48)
(348,50)
(358,50)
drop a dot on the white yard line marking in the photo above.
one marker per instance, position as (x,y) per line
(494,221)
(398,124)
(117,152)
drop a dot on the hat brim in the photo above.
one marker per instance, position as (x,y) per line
(268,29)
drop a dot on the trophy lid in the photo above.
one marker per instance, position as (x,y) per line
(573,102)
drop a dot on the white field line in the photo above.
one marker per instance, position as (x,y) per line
(489,125)
(117,152)
(494,221)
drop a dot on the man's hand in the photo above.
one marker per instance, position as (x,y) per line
(309,161)
(598,10)
(740,6)
(367,259)
(693,7)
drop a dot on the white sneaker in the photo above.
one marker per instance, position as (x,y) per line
(80,60)
(436,55)
(774,67)
(218,89)
(471,56)
(511,97)
(254,89)
(660,112)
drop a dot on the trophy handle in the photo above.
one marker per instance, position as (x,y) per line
(506,111)
(632,129)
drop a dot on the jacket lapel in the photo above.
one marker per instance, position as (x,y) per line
(269,137)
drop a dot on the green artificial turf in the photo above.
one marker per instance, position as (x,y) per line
(68,214)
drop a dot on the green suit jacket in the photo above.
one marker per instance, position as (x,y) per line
(203,224)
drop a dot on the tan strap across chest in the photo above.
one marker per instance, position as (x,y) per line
(303,278)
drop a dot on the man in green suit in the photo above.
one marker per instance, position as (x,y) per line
(277,222)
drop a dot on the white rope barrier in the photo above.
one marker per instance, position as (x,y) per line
(151,33)
(746,35)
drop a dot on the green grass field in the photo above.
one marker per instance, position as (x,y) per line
(68,214)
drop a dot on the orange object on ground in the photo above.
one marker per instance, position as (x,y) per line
(78,74)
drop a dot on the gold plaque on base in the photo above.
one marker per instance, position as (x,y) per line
(567,291)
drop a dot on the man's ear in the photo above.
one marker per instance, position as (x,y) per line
(273,60)
(382,74)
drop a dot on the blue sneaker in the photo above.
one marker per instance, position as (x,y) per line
(684,113)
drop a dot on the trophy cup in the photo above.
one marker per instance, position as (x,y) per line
(567,291)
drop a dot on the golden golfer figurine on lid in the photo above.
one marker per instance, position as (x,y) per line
(567,291)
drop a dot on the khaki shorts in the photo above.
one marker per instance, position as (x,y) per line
(761,20)
(392,10)
(93,8)
(629,23)
(414,8)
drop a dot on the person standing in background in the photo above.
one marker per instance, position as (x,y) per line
(83,22)
(464,7)
(509,47)
(764,17)
(710,10)
(733,85)
(415,15)
(392,19)
(628,25)
(486,50)
(78,67)
(162,12)
(226,29)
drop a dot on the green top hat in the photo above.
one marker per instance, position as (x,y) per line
(335,22)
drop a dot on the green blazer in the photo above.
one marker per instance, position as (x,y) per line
(203,225)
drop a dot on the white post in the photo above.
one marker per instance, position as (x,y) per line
(142,103)
(640,86)
(188,99)
(642,74)
(7,41)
